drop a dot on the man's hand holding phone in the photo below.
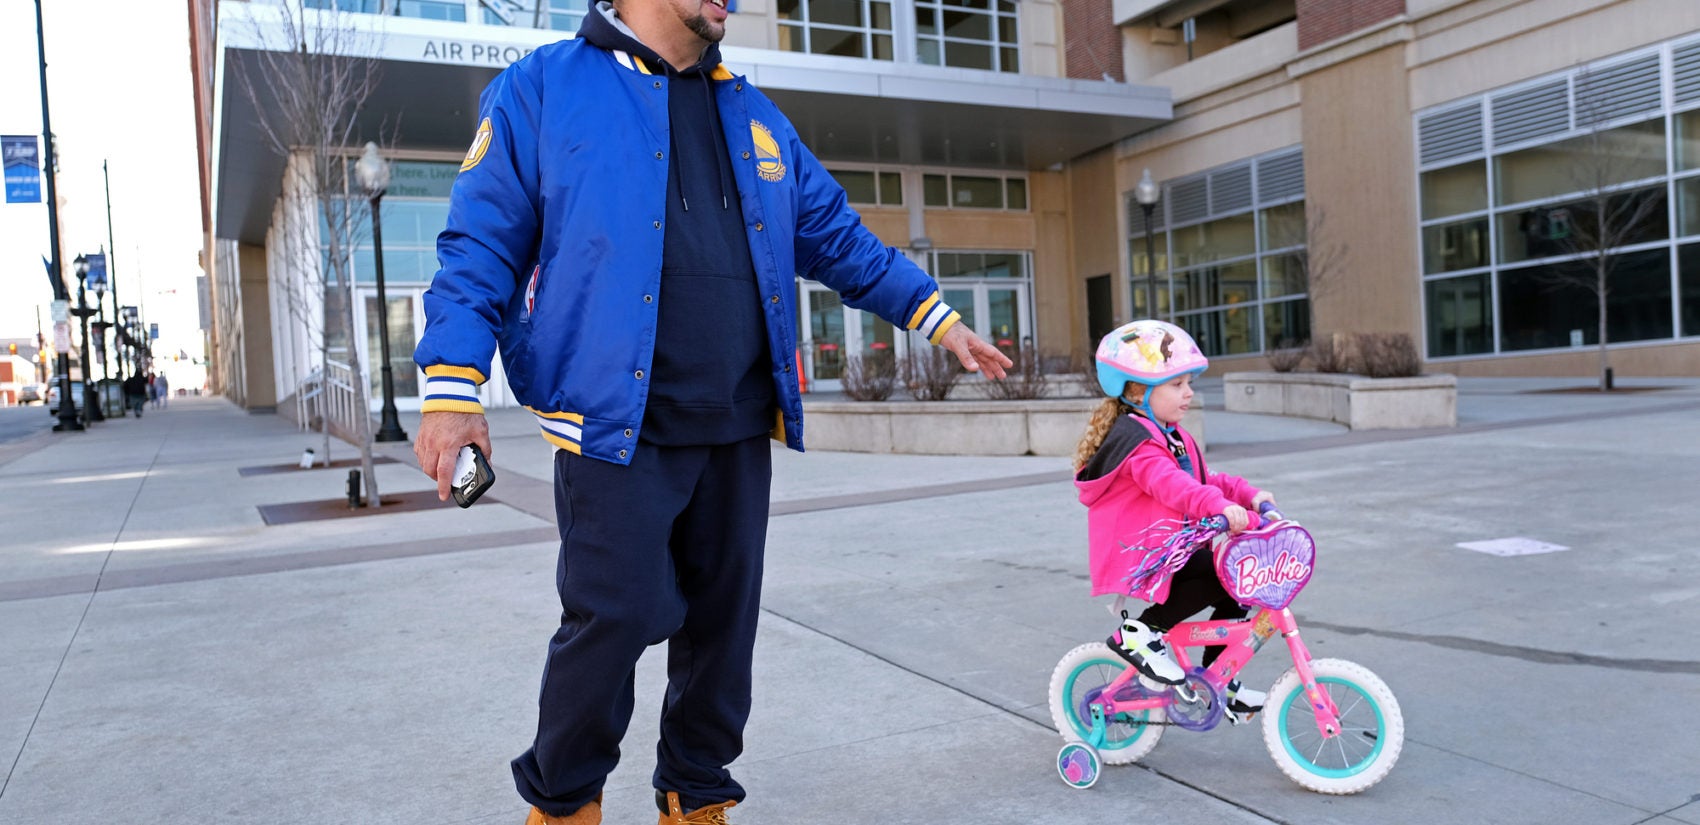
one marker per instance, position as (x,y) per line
(439,441)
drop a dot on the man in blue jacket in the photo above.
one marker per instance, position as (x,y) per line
(626,228)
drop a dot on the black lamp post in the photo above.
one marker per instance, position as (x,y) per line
(100,327)
(1148,194)
(374,174)
(91,407)
(67,412)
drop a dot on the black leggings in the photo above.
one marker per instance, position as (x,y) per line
(1194,588)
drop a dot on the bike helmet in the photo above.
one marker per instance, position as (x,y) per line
(1146,352)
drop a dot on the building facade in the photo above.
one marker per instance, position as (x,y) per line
(1324,166)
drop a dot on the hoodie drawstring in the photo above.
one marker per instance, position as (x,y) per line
(673,141)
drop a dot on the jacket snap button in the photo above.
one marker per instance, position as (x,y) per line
(657,224)
(657,84)
(657,155)
(738,88)
(649,299)
(622,453)
(759,227)
(639,374)
(628,432)
(746,156)
(787,368)
(775,299)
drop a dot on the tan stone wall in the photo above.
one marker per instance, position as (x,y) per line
(965,229)
(1626,361)
(1055,308)
(1474,47)
(1095,220)
(1359,173)
(891,226)
(256,329)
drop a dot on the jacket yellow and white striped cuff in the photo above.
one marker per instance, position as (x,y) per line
(934,318)
(452,389)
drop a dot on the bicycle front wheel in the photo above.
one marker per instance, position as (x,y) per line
(1080,676)
(1372,730)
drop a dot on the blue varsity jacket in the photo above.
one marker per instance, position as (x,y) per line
(553,246)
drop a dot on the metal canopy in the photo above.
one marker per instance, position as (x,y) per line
(845,110)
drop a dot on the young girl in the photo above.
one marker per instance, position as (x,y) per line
(1136,468)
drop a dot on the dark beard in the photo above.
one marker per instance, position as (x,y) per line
(700,26)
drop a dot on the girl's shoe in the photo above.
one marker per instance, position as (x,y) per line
(1243,702)
(1143,648)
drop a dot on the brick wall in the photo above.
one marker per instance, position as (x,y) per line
(1092,42)
(1323,20)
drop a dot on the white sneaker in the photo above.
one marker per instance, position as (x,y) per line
(1242,699)
(1143,648)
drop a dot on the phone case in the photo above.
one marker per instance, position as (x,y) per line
(472,476)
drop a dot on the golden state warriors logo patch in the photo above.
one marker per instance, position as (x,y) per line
(480,142)
(769,165)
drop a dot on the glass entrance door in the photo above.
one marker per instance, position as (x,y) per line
(405,317)
(834,333)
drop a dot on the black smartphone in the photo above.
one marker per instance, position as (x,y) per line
(472,475)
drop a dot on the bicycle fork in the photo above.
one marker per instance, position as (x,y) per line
(1322,705)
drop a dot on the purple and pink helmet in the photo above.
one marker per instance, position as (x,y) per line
(1146,352)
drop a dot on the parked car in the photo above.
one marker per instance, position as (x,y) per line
(53,396)
(29,394)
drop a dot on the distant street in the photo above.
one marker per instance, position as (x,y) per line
(19,423)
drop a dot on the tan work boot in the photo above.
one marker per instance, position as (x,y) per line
(589,814)
(706,815)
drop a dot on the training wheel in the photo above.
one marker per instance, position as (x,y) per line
(1078,765)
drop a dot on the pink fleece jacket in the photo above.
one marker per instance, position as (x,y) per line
(1144,488)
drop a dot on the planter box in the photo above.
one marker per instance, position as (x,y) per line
(1358,402)
(1038,427)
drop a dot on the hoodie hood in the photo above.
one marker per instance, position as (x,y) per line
(603,28)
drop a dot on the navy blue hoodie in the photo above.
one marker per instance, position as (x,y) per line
(711,380)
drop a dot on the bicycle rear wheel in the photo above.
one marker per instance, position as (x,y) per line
(1079,677)
(1372,729)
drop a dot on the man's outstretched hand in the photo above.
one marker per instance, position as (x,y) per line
(975,354)
(441,435)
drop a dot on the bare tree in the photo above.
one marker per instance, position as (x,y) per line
(1318,264)
(309,78)
(1610,211)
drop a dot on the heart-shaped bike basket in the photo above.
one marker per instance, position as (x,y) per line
(1267,566)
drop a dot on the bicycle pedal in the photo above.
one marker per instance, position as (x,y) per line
(1239,718)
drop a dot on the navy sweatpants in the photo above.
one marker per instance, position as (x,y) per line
(668,549)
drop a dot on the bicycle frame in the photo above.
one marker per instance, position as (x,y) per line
(1242,638)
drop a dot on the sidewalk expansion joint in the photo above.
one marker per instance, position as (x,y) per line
(1527,654)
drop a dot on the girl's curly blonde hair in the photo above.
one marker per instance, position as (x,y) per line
(1103,419)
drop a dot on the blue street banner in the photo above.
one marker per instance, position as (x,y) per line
(22,154)
(153,332)
(97,272)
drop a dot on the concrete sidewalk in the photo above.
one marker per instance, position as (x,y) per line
(167,657)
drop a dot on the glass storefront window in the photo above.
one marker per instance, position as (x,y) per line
(1583,163)
(1283,226)
(1223,332)
(935,190)
(1540,306)
(402,370)
(1454,190)
(976,193)
(1460,316)
(1229,237)
(1286,324)
(973,192)
(1234,283)
(858,186)
(1632,217)
(1687,139)
(891,189)
(1688,258)
(1449,247)
(1688,206)
(970,34)
(848,28)
(1015,193)
(1159,251)
(1284,275)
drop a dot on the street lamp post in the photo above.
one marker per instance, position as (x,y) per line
(374,174)
(67,412)
(100,327)
(91,407)
(1148,194)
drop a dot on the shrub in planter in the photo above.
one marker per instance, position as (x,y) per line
(1388,355)
(1022,381)
(1287,357)
(930,373)
(1331,354)
(869,378)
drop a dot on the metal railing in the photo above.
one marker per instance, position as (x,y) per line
(326,397)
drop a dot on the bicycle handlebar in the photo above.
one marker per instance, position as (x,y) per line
(1266,511)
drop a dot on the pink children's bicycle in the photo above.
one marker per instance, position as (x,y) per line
(1331,725)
